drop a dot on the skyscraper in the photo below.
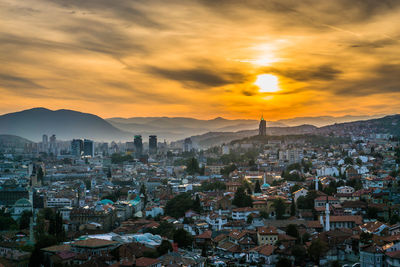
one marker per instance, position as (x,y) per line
(262,128)
(152,144)
(45,143)
(77,147)
(138,146)
(53,144)
(88,148)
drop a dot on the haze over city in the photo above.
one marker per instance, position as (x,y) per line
(200,133)
(202,59)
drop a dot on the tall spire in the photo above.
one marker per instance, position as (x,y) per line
(262,116)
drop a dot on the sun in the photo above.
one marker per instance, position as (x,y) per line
(267,83)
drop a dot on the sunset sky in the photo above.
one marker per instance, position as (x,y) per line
(202,59)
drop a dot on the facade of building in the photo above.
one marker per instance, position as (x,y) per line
(138,145)
(153,144)
(77,147)
(88,148)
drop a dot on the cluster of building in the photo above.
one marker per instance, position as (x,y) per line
(342,198)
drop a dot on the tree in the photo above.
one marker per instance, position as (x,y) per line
(250,219)
(284,262)
(293,208)
(164,247)
(25,220)
(192,166)
(257,188)
(348,161)
(228,169)
(372,213)
(40,174)
(177,206)
(6,222)
(196,204)
(264,214)
(144,192)
(37,258)
(316,250)
(182,238)
(291,230)
(307,202)
(241,199)
(280,208)
(299,253)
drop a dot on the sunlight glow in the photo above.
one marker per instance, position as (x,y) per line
(267,83)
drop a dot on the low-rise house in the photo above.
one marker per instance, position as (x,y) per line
(262,254)
(243,213)
(371,256)
(267,235)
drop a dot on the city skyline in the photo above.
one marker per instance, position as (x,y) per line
(201,58)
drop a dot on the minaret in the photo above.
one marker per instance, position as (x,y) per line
(327,226)
(265,179)
(316,183)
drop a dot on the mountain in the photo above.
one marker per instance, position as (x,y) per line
(65,124)
(386,125)
(325,120)
(13,141)
(176,128)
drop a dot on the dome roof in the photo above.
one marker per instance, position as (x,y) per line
(266,185)
(106,201)
(23,202)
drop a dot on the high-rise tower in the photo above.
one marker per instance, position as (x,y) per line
(262,128)
(153,144)
(137,141)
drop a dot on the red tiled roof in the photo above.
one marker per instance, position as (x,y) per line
(143,262)
(267,230)
(94,243)
(205,235)
(265,250)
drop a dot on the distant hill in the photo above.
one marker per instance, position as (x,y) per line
(7,140)
(325,120)
(65,124)
(176,128)
(179,127)
(386,125)
(218,138)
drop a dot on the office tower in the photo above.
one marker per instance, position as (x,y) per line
(45,143)
(77,147)
(187,145)
(88,148)
(138,146)
(152,144)
(53,145)
(262,129)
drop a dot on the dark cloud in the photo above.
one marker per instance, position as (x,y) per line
(126,10)
(382,79)
(200,77)
(375,44)
(15,82)
(307,73)
(305,13)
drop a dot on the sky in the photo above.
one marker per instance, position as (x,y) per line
(201,58)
